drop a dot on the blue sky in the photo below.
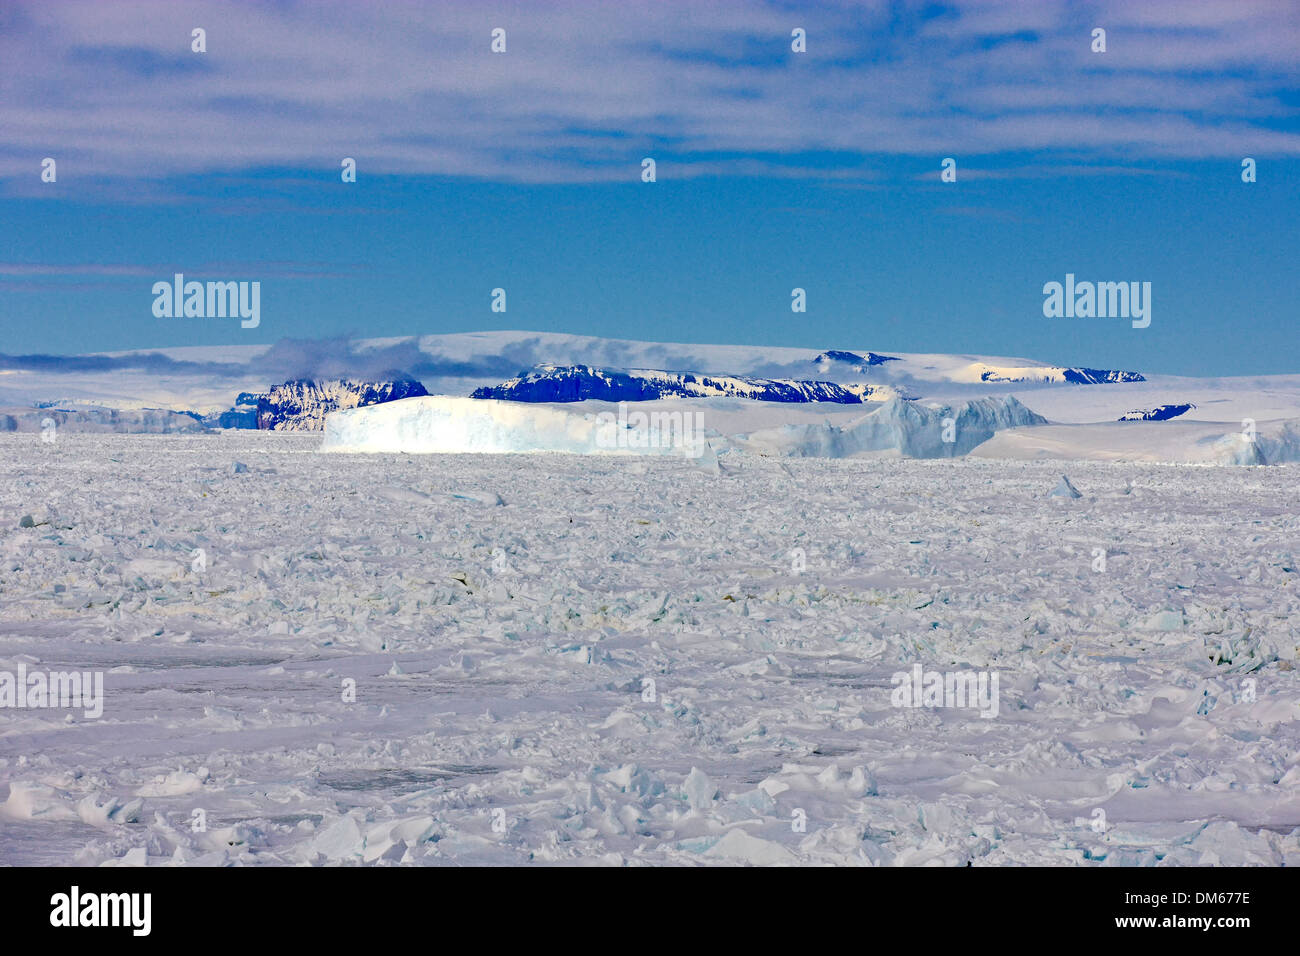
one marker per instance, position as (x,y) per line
(522,170)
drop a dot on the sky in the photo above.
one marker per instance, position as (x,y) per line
(775,170)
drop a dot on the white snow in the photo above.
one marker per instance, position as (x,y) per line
(987,428)
(1178,440)
(459,363)
(93,418)
(441,424)
(913,429)
(499,658)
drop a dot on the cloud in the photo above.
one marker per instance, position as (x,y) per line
(338,357)
(78,273)
(137,361)
(585,90)
(22,269)
(345,357)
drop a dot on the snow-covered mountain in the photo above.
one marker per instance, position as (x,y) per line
(302,405)
(1054,374)
(577,383)
(852,361)
(299,405)
(749,389)
(205,378)
(242,415)
(1160,413)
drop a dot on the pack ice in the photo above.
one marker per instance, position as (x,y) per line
(458,659)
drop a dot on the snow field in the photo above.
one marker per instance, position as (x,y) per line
(500,616)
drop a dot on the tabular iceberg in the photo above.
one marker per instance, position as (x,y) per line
(443,424)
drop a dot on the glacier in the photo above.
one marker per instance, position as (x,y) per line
(446,424)
(87,419)
(910,429)
(1204,443)
(987,428)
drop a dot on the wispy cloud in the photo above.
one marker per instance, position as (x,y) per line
(96,272)
(336,357)
(585,89)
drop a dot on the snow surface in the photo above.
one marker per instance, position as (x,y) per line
(501,614)
(1169,441)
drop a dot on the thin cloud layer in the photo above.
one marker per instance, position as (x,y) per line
(585,90)
(340,357)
